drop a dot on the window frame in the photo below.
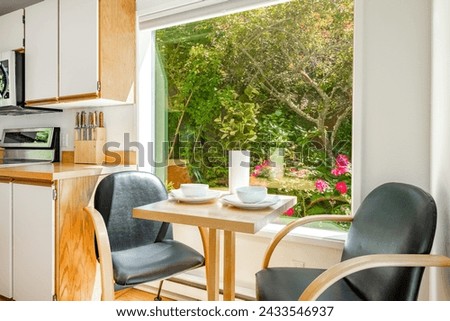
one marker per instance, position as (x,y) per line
(151,26)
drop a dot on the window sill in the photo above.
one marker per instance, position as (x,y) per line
(307,235)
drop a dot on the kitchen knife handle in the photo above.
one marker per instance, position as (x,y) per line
(101,121)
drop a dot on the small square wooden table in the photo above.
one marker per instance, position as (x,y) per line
(210,218)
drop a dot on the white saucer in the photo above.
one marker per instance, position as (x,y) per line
(234,201)
(210,196)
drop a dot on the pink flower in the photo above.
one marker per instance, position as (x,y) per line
(339,170)
(289,212)
(321,185)
(342,160)
(342,165)
(341,187)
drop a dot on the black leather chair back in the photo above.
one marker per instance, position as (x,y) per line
(117,195)
(394,218)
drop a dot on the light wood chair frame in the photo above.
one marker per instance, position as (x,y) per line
(344,268)
(104,254)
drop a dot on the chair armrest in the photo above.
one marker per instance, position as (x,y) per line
(302,221)
(342,269)
(104,252)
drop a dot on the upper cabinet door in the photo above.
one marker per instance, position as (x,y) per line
(80,53)
(78,39)
(41,45)
(11,25)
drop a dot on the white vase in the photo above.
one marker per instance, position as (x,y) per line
(238,169)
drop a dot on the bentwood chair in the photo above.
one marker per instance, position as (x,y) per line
(134,251)
(384,256)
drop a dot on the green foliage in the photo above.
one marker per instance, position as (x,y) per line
(276,129)
(198,92)
(238,121)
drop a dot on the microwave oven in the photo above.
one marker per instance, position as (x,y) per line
(12,74)
(12,86)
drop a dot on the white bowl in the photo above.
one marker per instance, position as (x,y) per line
(194,190)
(251,194)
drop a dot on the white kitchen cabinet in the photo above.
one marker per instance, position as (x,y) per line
(97,55)
(41,42)
(11,25)
(6,239)
(79,63)
(34,242)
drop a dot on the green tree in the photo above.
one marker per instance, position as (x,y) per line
(299,56)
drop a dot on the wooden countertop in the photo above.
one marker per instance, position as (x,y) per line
(57,171)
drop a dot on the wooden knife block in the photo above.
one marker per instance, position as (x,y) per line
(91,151)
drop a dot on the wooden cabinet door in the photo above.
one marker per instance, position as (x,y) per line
(34,243)
(41,45)
(78,40)
(11,25)
(6,239)
(76,258)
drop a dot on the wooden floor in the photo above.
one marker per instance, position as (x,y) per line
(127,295)
(136,295)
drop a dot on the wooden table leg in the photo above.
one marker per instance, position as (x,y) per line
(229,266)
(212,265)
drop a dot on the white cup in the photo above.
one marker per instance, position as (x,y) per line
(194,190)
(251,194)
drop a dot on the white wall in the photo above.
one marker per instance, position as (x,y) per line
(440,156)
(392,93)
(402,107)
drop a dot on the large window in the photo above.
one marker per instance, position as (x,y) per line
(276,81)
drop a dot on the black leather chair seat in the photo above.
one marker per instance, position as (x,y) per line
(153,261)
(286,283)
